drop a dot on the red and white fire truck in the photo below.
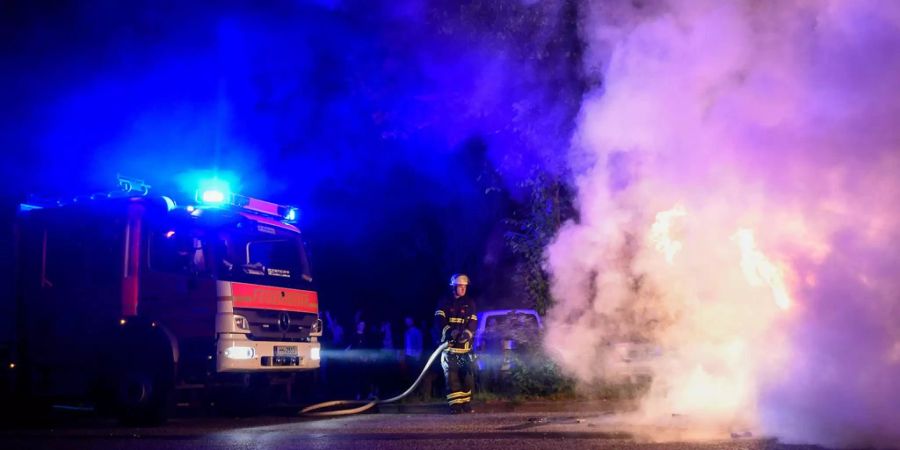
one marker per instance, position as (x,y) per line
(128,298)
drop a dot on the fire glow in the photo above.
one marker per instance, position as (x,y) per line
(759,270)
(661,231)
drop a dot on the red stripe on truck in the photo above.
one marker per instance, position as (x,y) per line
(275,298)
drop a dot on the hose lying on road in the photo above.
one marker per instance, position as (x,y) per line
(313,410)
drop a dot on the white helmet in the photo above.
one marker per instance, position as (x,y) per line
(459,279)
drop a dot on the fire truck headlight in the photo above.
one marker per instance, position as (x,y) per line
(241,323)
(314,353)
(239,352)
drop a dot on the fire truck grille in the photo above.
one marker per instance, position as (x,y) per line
(268,325)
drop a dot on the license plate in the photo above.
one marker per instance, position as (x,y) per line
(286,350)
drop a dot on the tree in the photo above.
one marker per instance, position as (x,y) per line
(532,228)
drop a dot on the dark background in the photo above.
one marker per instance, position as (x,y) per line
(406,131)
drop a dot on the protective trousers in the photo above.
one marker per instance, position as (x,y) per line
(459,372)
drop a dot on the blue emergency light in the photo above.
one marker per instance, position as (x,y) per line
(215,193)
(291,214)
(212,196)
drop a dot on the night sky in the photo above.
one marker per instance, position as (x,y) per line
(403,130)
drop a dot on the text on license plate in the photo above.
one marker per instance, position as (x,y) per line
(286,350)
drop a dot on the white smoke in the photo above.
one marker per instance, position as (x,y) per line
(738,196)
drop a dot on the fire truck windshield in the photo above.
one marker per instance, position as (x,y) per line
(262,258)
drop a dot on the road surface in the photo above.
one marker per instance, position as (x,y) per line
(390,429)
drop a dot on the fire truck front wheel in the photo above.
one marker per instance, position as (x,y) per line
(145,386)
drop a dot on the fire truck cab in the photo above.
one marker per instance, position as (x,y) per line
(124,298)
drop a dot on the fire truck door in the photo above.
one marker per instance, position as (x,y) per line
(178,289)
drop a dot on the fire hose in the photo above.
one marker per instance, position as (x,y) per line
(313,410)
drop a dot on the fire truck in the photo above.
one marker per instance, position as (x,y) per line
(127,299)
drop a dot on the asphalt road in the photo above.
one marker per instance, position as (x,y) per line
(390,429)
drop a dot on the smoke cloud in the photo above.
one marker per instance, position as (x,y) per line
(737,194)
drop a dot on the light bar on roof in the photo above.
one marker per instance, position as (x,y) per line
(286,213)
(220,198)
(256,205)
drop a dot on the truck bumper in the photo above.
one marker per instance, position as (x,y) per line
(236,353)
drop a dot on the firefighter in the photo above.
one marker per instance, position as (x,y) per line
(457,321)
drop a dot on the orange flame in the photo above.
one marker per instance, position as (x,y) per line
(759,270)
(661,232)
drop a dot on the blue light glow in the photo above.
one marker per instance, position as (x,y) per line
(212,196)
(26,207)
(213,191)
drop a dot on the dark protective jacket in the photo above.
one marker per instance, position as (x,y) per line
(457,321)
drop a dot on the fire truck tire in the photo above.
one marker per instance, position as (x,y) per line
(145,387)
